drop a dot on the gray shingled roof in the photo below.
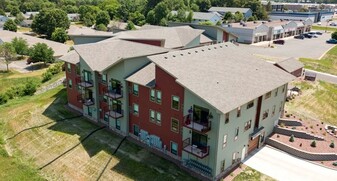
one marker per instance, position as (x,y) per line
(86,31)
(59,48)
(175,37)
(200,15)
(71,57)
(223,75)
(102,55)
(228,9)
(290,64)
(145,76)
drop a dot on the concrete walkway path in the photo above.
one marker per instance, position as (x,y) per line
(282,166)
(324,77)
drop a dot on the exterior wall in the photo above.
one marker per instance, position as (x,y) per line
(248,14)
(193,43)
(150,42)
(72,92)
(167,85)
(213,138)
(244,35)
(325,16)
(292,16)
(214,20)
(86,39)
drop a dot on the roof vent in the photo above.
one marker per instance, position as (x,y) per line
(254,22)
(220,46)
(165,57)
(226,45)
(189,52)
(263,22)
(269,20)
(202,50)
(281,19)
(181,54)
(196,51)
(244,24)
(173,56)
(214,47)
(209,48)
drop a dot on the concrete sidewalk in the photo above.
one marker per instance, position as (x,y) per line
(282,166)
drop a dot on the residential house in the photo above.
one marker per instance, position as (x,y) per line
(26,23)
(292,66)
(206,107)
(73,17)
(60,49)
(247,12)
(84,35)
(3,20)
(213,17)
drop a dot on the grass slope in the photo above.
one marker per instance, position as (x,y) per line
(250,174)
(327,64)
(323,28)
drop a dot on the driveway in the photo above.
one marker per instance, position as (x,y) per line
(307,48)
(283,166)
(21,66)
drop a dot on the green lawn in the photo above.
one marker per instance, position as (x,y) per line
(250,174)
(318,101)
(327,64)
(323,28)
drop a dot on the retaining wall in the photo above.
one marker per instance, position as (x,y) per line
(297,133)
(289,122)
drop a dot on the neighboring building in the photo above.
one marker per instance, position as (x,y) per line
(26,23)
(258,31)
(60,49)
(29,15)
(217,34)
(73,17)
(292,66)
(247,12)
(3,20)
(297,16)
(207,107)
(117,26)
(84,35)
(198,17)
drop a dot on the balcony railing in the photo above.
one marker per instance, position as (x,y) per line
(84,83)
(200,127)
(115,114)
(86,101)
(198,151)
(113,93)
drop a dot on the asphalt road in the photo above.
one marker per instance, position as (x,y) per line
(283,166)
(307,48)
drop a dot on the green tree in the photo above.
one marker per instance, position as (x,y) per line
(7,53)
(160,11)
(48,20)
(103,18)
(194,7)
(130,26)
(189,17)
(258,10)
(138,18)
(151,17)
(20,45)
(204,5)
(10,25)
(19,18)
(40,52)
(111,6)
(101,27)
(228,16)
(181,15)
(206,23)
(238,16)
(269,7)
(304,9)
(334,35)
(2,12)
(59,35)
(15,10)
(89,19)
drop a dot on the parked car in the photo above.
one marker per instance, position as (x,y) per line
(306,35)
(319,33)
(333,24)
(319,23)
(281,42)
(299,37)
(332,41)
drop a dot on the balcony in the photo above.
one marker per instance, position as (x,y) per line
(86,101)
(115,114)
(198,151)
(84,83)
(202,127)
(113,93)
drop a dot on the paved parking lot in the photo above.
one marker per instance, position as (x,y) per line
(283,166)
(307,48)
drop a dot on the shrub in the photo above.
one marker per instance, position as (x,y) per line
(30,88)
(16,91)
(313,143)
(334,163)
(311,126)
(46,76)
(324,134)
(332,144)
(292,139)
(3,98)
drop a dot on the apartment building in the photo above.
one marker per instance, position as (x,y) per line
(208,106)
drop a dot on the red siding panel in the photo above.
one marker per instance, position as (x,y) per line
(73,92)
(167,85)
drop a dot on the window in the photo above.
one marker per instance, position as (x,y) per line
(234,158)
(175,125)
(238,111)
(70,83)
(104,77)
(69,67)
(273,111)
(236,133)
(281,107)
(135,109)
(136,130)
(283,88)
(224,141)
(152,95)
(226,118)
(78,71)
(106,117)
(174,148)
(158,96)
(250,104)
(135,89)
(267,95)
(158,118)
(222,166)
(276,92)
(152,113)
(89,111)
(105,98)
(118,124)
(175,102)
(248,125)
(265,114)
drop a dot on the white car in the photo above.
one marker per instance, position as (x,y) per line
(319,23)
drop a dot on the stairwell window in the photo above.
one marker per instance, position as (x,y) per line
(135,109)
(267,95)
(250,104)
(152,115)
(226,118)
(104,77)
(174,125)
(70,83)
(69,67)
(276,92)
(238,114)
(135,89)
(158,96)
(236,133)
(273,111)
(175,103)
(283,88)
(265,114)
(152,95)
(224,141)
(158,118)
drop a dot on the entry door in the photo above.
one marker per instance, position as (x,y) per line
(243,154)
(87,76)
